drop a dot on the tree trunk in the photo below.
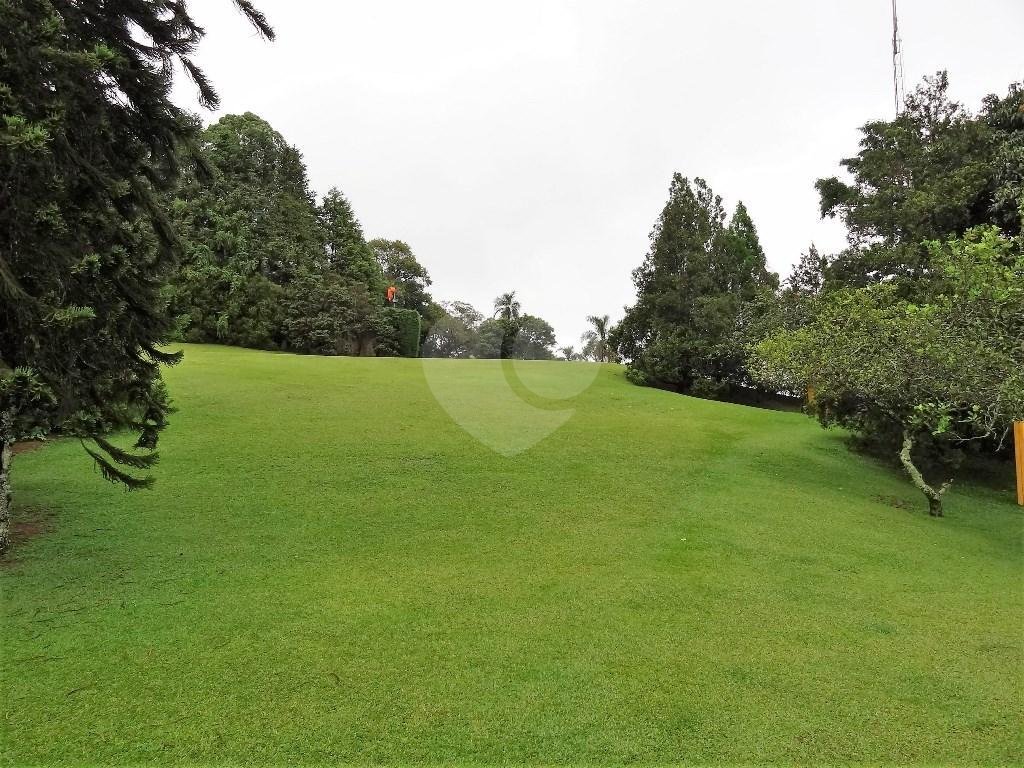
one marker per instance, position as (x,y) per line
(933,495)
(6,454)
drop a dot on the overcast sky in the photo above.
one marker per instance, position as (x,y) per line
(529,145)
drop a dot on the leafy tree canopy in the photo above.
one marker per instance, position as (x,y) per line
(347,251)
(535,339)
(939,373)
(402,270)
(934,171)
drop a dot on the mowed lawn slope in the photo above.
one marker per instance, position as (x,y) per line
(330,569)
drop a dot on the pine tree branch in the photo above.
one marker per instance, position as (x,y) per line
(114,475)
(256,18)
(207,95)
(127,459)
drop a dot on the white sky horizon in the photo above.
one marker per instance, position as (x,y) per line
(530,146)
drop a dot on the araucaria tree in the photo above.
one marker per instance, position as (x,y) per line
(88,137)
(699,272)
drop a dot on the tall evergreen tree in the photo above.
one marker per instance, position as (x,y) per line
(347,251)
(247,233)
(88,136)
(745,268)
(681,333)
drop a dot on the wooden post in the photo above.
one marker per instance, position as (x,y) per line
(1018,449)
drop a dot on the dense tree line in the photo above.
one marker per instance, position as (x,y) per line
(463,331)
(125,225)
(264,265)
(912,336)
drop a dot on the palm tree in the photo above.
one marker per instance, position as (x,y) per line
(595,341)
(507,307)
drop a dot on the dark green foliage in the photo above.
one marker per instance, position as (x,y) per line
(318,314)
(265,266)
(349,256)
(932,174)
(535,339)
(347,252)
(403,340)
(454,332)
(700,272)
(932,376)
(28,405)
(491,336)
(506,312)
(88,139)
(402,270)
(934,171)
(1005,117)
(247,233)
(463,332)
(786,309)
(448,337)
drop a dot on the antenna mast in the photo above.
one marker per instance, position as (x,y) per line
(898,88)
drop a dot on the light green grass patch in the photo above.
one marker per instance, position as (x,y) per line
(331,569)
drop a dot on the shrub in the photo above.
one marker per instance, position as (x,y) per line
(404,336)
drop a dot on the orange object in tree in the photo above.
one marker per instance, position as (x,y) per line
(391,294)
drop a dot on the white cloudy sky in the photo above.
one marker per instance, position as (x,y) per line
(529,145)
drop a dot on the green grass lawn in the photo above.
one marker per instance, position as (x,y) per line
(330,569)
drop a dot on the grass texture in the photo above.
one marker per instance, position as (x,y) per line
(405,561)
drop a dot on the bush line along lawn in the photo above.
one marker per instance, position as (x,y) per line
(330,569)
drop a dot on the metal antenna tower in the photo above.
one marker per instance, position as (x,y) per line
(898,88)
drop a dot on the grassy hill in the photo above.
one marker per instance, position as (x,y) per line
(331,568)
